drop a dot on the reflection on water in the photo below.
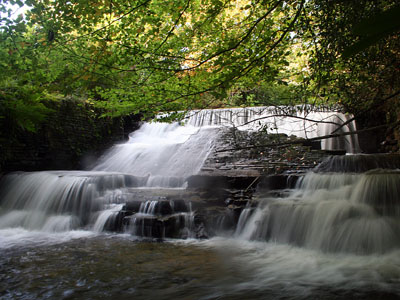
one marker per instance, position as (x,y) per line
(116,266)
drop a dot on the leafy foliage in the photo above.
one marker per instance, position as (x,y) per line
(146,56)
(360,80)
(131,56)
(374,29)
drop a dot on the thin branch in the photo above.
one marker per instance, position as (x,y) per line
(110,23)
(299,141)
(245,37)
(248,68)
(290,116)
(162,55)
(369,109)
(173,27)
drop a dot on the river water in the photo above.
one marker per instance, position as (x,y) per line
(335,236)
(82,265)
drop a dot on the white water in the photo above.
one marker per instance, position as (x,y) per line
(164,154)
(20,237)
(59,201)
(298,121)
(305,273)
(105,215)
(156,155)
(340,213)
(336,230)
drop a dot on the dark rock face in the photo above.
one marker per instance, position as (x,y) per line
(194,212)
(232,157)
(210,182)
(277,182)
(153,226)
(71,138)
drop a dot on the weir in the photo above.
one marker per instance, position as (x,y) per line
(147,188)
(119,193)
(301,121)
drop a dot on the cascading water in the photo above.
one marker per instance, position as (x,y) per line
(164,154)
(336,235)
(157,155)
(354,213)
(45,200)
(298,120)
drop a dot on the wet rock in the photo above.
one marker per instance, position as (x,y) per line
(149,226)
(177,225)
(233,157)
(201,232)
(214,220)
(219,182)
(133,205)
(115,223)
(179,205)
(277,182)
(164,208)
(229,201)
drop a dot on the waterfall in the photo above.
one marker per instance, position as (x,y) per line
(63,201)
(160,218)
(158,155)
(301,121)
(45,200)
(333,212)
(328,233)
(359,163)
(164,154)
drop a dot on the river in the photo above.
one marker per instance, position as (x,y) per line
(334,236)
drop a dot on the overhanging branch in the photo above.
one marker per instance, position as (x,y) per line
(299,141)
(365,111)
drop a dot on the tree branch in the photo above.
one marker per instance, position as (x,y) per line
(290,116)
(369,109)
(299,141)
(110,23)
(239,42)
(173,27)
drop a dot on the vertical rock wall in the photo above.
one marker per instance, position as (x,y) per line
(70,138)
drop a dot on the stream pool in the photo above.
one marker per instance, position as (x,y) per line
(85,265)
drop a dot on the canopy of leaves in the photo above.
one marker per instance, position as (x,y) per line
(131,56)
(357,53)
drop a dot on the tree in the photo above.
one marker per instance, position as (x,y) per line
(151,55)
(147,56)
(353,62)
